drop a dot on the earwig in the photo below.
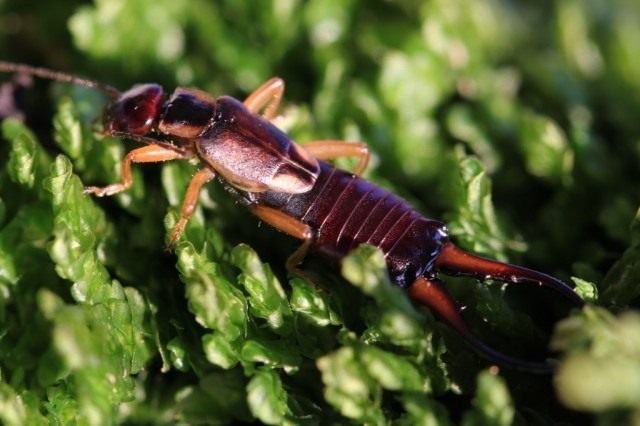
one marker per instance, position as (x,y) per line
(294,189)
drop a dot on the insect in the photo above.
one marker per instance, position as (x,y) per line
(294,189)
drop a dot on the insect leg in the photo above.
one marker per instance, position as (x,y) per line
(267,96)
(290,226)
(184,151)
(432,294)
(146,154)
(190,201)
(332,149)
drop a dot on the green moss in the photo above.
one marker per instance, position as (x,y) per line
(517,123)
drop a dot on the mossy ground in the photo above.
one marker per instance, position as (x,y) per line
(516,122)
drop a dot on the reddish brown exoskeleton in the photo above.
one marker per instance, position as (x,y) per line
(292,188)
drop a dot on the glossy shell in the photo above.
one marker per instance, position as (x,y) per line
(252,154)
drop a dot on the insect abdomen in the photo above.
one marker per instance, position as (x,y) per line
(345,211)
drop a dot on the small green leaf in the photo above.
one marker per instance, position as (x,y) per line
(547,152)
(429,82)
(105,30)
(601,368)
(365,268)
(310,303)
(267,398)
(463,125)
(492,403)
(392,371)
(354,377)
(219,351)
(596,385)
(78,226)
(62,407)
(27,160)
(274,353)
(422,410)
(178,354)
(475,224)
(215,302)
(585,289)
(266,296)
(68,131)
(19,409)
(349,388)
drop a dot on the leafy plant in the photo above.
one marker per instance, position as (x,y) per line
(515,122)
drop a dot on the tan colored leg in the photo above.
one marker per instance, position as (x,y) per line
(185,151)
(297,257)
(332,149)
(267,96)
(190,201)
(290,226)
(146,154)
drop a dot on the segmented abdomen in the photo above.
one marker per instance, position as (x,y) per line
(345,211)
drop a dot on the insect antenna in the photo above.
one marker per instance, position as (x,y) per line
(58,76)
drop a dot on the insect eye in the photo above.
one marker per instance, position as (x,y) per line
(135,111)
